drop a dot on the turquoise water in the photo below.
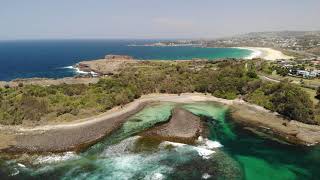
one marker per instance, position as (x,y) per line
(49,58)
(237,154)
(220,129)
(147,118)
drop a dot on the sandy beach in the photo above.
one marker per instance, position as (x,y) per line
(82,133)
(266,53)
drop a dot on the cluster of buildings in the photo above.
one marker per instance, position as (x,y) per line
(303,68)
(177,43)
(308,74)
(308,42)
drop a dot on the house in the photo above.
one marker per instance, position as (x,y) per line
(303,73)
(308,74)
(315,73)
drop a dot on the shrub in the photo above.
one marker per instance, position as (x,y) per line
(286,99)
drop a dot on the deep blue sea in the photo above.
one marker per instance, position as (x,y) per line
(48,58)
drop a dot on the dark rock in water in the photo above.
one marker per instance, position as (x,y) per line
(220,166)
(226,167)
(183,127)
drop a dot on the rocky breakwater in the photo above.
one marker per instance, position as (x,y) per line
(183,127)
(111,64)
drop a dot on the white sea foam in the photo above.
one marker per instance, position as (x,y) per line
(56,158)
(200,139)
(254,54)
(205,150)
(16,172)
(21,165)
(204,153)
(206,176)
(155,176)
(78,71)
(94,73)
(208,143)
(212,144)
(68,67)
(120,148)
(124,164)
(174,144)
(129,164)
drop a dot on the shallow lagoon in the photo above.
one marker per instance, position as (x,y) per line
(231,152)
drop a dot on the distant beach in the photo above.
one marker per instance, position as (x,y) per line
(265,53)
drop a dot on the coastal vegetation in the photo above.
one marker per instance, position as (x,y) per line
(284,98)
(34,104)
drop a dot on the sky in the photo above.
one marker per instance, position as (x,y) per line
(152,19)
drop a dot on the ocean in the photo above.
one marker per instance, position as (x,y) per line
(50,58)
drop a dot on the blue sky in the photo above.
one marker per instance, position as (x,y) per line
(56,19)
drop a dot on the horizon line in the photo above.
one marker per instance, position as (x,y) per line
(148,38)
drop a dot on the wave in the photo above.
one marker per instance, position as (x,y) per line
(78,71)
(56,158)
(68,67)
(206,176)
(254,54)
(208,143)
(205,147)
(126,160)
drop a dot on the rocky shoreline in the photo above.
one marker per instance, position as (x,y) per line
(73,137)
(48,81)
(291,131)
(111,64)
(83,133)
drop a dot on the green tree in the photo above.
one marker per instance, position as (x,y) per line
(318,93)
